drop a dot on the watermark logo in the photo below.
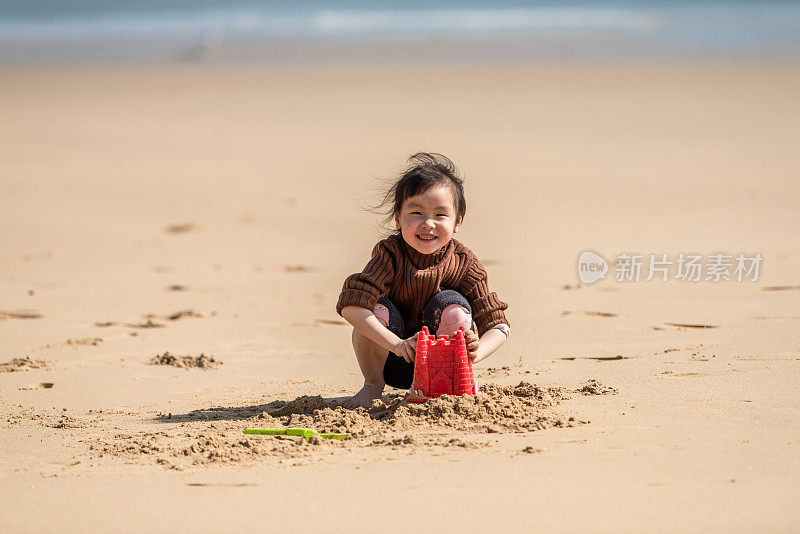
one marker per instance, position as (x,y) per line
(591,267)
(630,267)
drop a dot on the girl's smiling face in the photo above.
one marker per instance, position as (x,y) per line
(428,220)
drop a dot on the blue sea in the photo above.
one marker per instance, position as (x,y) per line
(384,32)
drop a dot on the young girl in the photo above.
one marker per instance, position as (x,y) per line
(419,276)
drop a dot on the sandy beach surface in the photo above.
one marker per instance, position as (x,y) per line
(214,213)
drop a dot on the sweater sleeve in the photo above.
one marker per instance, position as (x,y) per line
(487,308)
(365,288)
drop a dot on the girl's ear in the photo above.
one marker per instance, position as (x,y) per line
(458,225)
(397,221)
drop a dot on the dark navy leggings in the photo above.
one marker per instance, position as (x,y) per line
(397,372)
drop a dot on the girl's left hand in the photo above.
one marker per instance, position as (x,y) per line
(472,344)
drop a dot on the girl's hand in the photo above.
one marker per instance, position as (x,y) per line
(472,341)
(407,348)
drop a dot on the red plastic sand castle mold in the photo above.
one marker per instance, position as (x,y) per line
(441,367)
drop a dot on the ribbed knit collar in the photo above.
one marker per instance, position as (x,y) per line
(423,261)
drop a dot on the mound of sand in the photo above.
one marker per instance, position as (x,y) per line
(215,435)
(186,362)
(593,387)
(22,364)
(520,408)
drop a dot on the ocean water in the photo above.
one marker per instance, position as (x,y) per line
(387,32)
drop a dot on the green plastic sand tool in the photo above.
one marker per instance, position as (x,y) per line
(306,433)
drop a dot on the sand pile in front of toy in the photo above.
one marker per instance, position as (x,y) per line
(520,408)
(215,435)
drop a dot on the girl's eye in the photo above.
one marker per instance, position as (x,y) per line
(416,213)
(441,215)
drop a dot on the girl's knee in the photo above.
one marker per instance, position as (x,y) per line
(453,317)
(360,341)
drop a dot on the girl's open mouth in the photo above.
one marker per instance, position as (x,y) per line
(424,237)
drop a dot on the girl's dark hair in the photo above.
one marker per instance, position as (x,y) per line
(424,171)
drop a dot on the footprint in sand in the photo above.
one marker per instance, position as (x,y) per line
(144,324)
(666,351)
(690,325)
(93,341)
(300,268)
(40,385)
(149,323)
(181,314)
(19,314)
(332,322)
(591,313)
(220,485)
(568,287)
(779,288)
(599,358)
(180,228)
(177,287)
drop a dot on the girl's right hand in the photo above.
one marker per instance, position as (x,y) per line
(407,348)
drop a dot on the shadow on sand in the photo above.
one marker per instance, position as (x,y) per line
(304,405)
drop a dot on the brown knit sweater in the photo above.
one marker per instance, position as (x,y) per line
(409,279)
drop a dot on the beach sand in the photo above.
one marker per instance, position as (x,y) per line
(216,212)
